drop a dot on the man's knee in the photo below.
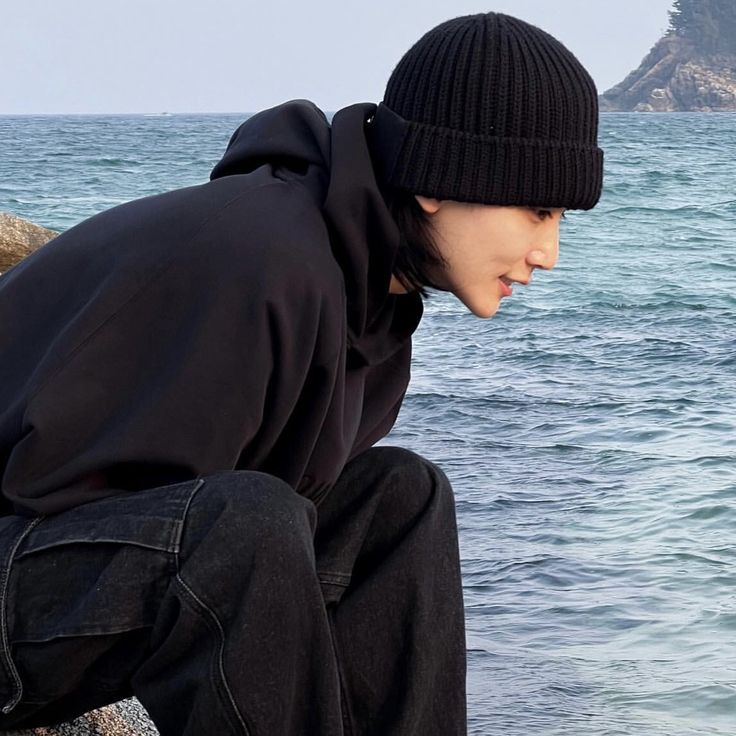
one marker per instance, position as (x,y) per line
(243,517)
(408,482)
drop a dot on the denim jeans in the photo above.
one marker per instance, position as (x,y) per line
(231,605)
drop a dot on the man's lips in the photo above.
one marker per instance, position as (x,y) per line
(507,283)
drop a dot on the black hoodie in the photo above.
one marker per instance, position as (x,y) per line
(241,324)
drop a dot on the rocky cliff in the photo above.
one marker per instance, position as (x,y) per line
(676,77)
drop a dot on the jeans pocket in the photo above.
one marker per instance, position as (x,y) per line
(96,570)
(99,568)
(13,530)
(151,519)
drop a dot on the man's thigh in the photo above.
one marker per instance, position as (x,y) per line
(80,593)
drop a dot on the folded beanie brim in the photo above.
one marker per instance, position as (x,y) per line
(466,167)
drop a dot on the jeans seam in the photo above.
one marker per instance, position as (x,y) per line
(347,717)
(7,658)
(178,529)
(101,540)
(90,631)
(209,612)
(220,654)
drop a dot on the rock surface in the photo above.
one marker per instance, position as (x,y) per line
(18,238)
(127,718)
(675,77)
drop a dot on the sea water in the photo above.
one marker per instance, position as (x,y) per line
(588,428)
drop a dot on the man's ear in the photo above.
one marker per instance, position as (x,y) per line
(429,205)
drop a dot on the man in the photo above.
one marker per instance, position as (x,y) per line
(193,384)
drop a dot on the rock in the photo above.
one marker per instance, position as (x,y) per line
(127,718)
(18,238)
(676,77)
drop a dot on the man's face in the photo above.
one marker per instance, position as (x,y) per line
(487,248)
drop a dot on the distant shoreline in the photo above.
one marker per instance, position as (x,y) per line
(157,116)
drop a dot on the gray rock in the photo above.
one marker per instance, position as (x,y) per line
(675,77)
(127,718)
(18,238)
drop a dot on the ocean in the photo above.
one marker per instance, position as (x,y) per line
(589,428)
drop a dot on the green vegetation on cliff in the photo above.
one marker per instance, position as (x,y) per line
(691,69)
(709,24)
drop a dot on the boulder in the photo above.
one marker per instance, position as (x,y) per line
(127,718)
(18,238)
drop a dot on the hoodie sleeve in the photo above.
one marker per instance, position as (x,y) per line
(178,380)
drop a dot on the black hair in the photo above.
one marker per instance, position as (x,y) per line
(417,256)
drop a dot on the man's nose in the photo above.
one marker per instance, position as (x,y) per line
(546,255)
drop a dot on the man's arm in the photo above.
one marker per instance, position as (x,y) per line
(206,357)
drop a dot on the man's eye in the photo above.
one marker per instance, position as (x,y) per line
(546,214)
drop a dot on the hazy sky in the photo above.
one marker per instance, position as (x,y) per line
(240,55)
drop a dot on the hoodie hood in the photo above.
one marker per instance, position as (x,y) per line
(334,163)
(293,137)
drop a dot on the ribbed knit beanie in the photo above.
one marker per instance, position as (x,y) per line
(488,108)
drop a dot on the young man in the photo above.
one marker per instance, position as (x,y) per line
(192,385)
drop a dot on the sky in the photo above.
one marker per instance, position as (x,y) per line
(128,56)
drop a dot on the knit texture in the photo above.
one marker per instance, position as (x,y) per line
(488,108)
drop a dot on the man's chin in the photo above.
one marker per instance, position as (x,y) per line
(484,309)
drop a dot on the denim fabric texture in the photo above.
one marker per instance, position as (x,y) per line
(232,605)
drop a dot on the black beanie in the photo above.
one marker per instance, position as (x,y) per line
(487,108)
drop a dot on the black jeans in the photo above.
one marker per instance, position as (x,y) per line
(231,605)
